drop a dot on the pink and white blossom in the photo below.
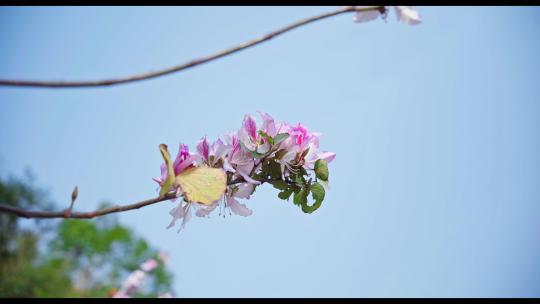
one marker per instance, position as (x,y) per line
(241,155)
(405,14)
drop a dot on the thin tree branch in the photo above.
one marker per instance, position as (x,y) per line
(187,65)
(20,212)
(82,215)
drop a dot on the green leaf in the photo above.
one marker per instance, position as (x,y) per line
(321,169)
(274,170)
(317,192)
(298,179)
(169,182)
(280,185)
(324,183)
(300,197)
(280,137)
(266,136)
(286,194)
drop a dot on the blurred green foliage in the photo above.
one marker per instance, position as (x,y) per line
(68,258)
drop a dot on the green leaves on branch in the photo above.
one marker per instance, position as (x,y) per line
(299,183)
(317,192)
(321,169)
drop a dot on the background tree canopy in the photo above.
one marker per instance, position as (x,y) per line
(68,258)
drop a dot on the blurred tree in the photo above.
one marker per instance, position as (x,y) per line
(69,258)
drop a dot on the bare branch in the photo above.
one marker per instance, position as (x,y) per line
(82,215)
(187,65)
(74,195)
(88,215)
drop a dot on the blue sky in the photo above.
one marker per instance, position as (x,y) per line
(434,191)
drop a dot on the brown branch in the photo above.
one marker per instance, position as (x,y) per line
(82,215)
(20,212)
(88,215)
(187,65)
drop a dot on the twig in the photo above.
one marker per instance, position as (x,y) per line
(82,215)
(187,65)
(74,195)
(88,215)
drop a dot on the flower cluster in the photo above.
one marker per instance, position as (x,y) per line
(286,156)
(136,279)
(405,14)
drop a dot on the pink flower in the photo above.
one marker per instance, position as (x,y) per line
(183,160)
(239,161)
(149,265)
(249,135)
(302,142)
(211,154)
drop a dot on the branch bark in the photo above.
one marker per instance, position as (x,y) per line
(184,66)
(20,212)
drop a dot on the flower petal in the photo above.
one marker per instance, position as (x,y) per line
(268,124)
(366,16)
(186,163)
(238,208)
(206,210)
(203,148)
(177,213)
(244,190)
(408,15)
(327,156)
(250,126)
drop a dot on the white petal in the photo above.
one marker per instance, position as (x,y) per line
(248,179)
(244,190)
(327,156)
(366,16)
(177,213)
(238,208)
(227,166)
(187,216)
(408,15)
(263,148)
(206,210)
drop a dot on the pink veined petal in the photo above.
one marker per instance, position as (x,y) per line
(250,126)
(203,148)
(244,190)
(186,163)
(183,153)
(408,15)
(268,124)
(327,156)
(245,138)
(238,208)
(366,16)
(219,149)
